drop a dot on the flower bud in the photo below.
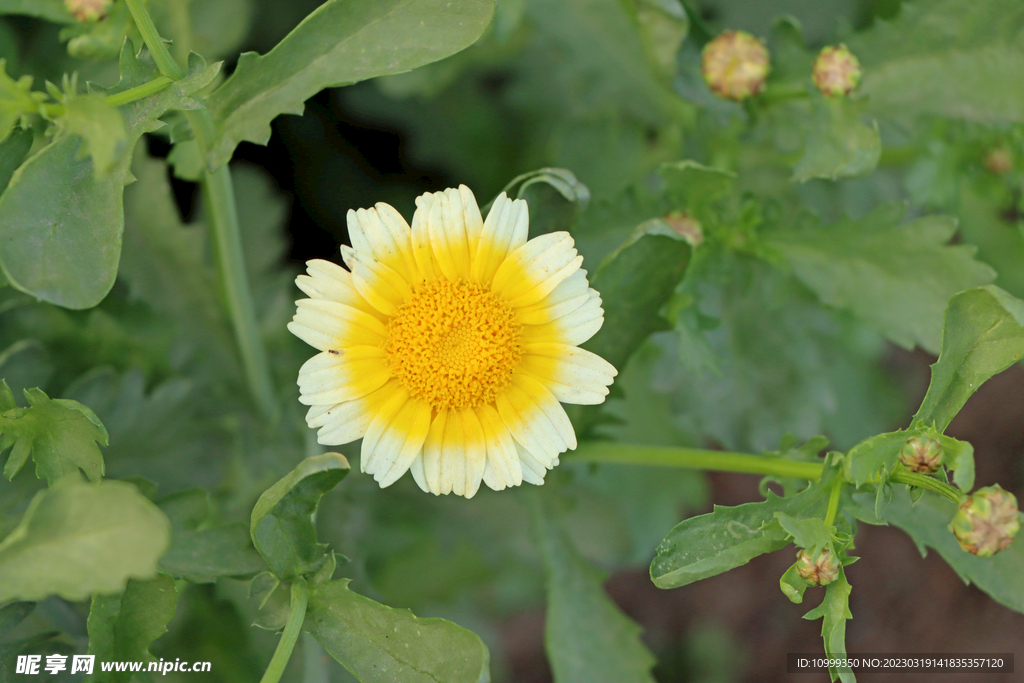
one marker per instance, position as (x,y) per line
(687,226)
(836,71)
(921,454)
(987,521)
(999,160)
(819,571)
(735,65)
(88,10)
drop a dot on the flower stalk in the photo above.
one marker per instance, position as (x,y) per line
(292,629)
(695,458)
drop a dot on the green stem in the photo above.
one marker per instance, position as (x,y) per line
(140,91)
(292,629)
(161,55)
(219,193)
(833,501)
(923,481)
(696,458)
(222,214)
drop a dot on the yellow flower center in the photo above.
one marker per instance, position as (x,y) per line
(453,344)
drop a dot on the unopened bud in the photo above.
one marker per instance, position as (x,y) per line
(88,10)
(921,454)
(819,571)
(999,160)
(987,521)
(836,71)
(735,65)
(687,226)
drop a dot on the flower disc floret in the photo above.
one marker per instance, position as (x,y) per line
(448,346)
(454,344)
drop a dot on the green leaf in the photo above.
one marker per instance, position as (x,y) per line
(839,144)
(60,227)
(17,101)
(342,42)
(955,58)
(663,26)
(379,644)
(101,128)
(77,539)
(282,528)
(13,151)
(876,457)
(51,10)
(834,610)
(587,637)
(554,196)
(983,335)
(199,552)
(635,281)
(13,614)
(727,537)
(60,434)
(696,188)
(897,278)
(809,533)
(122,626)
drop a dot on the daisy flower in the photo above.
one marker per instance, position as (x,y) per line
(448,346)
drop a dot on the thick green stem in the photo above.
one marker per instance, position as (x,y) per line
(222,215)
(923,481)
(161,55)
(292,629)
(696,458)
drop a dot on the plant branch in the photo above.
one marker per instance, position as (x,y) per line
(833,502)
(292,629)
(696,458)
(923,481)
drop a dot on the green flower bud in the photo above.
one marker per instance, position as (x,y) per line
(836,71)
(987,521)
(687,226)
(88,10)
(735,65)
(819,571)
(921,454)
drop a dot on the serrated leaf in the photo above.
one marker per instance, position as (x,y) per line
(61,435)
(952,58)
(342,42)
(727,537)
(587,637)
(13,151)
(983,335)
(60,227)
(282,528)
(77,539)
(809,533)
(926,523)
(839,144)
(379,644)
(834,611)
(203,556)
(122,626)
(101,128)
(897,278)
(635,281)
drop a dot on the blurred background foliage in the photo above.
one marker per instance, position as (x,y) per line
(751,348)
